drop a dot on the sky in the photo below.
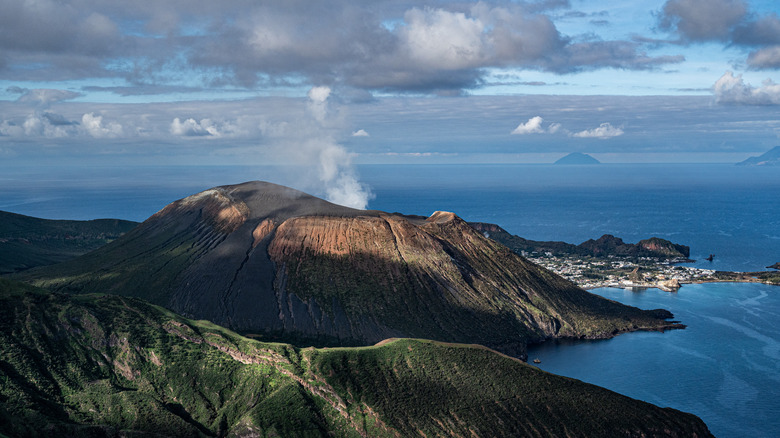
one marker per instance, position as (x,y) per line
(336,83)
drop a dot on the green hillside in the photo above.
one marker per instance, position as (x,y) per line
(102,365)
(27,242)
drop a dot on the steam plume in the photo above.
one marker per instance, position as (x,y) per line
(337,176)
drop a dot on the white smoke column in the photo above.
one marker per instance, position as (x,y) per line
(335,170)
(318,103)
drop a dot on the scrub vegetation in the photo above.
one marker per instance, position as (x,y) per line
(101,365)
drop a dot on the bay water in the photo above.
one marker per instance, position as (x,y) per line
(725,367)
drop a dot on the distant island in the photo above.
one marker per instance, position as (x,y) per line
(769,158)
(578,158)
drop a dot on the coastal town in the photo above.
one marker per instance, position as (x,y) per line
(610,262)
(637,273)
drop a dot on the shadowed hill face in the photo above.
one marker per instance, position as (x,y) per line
(102,365)
(27,242)
(271,261)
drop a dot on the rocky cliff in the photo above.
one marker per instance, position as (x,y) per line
(277,263)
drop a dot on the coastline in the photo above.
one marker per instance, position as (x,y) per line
(667,289)
(644,273)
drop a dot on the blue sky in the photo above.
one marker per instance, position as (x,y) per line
(333,83)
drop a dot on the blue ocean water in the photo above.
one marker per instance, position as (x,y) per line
(724,367)
(729,211)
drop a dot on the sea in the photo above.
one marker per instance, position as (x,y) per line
(724,367)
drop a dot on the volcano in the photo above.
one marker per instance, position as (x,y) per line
(276,263)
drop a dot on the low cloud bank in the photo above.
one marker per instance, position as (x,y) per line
(604,131)
(534,126)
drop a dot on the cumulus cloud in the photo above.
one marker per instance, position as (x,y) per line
(360,133)
(730,89)
(40,125)
(604,131)
(95,127)
(532,126)
(192,128)
(9,129)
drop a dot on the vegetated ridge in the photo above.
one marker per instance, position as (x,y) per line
(27,242)
(605,246)
(104,366)
(271,261)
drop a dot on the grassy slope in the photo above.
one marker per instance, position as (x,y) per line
(89,365)
(93,365)
(27,242)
